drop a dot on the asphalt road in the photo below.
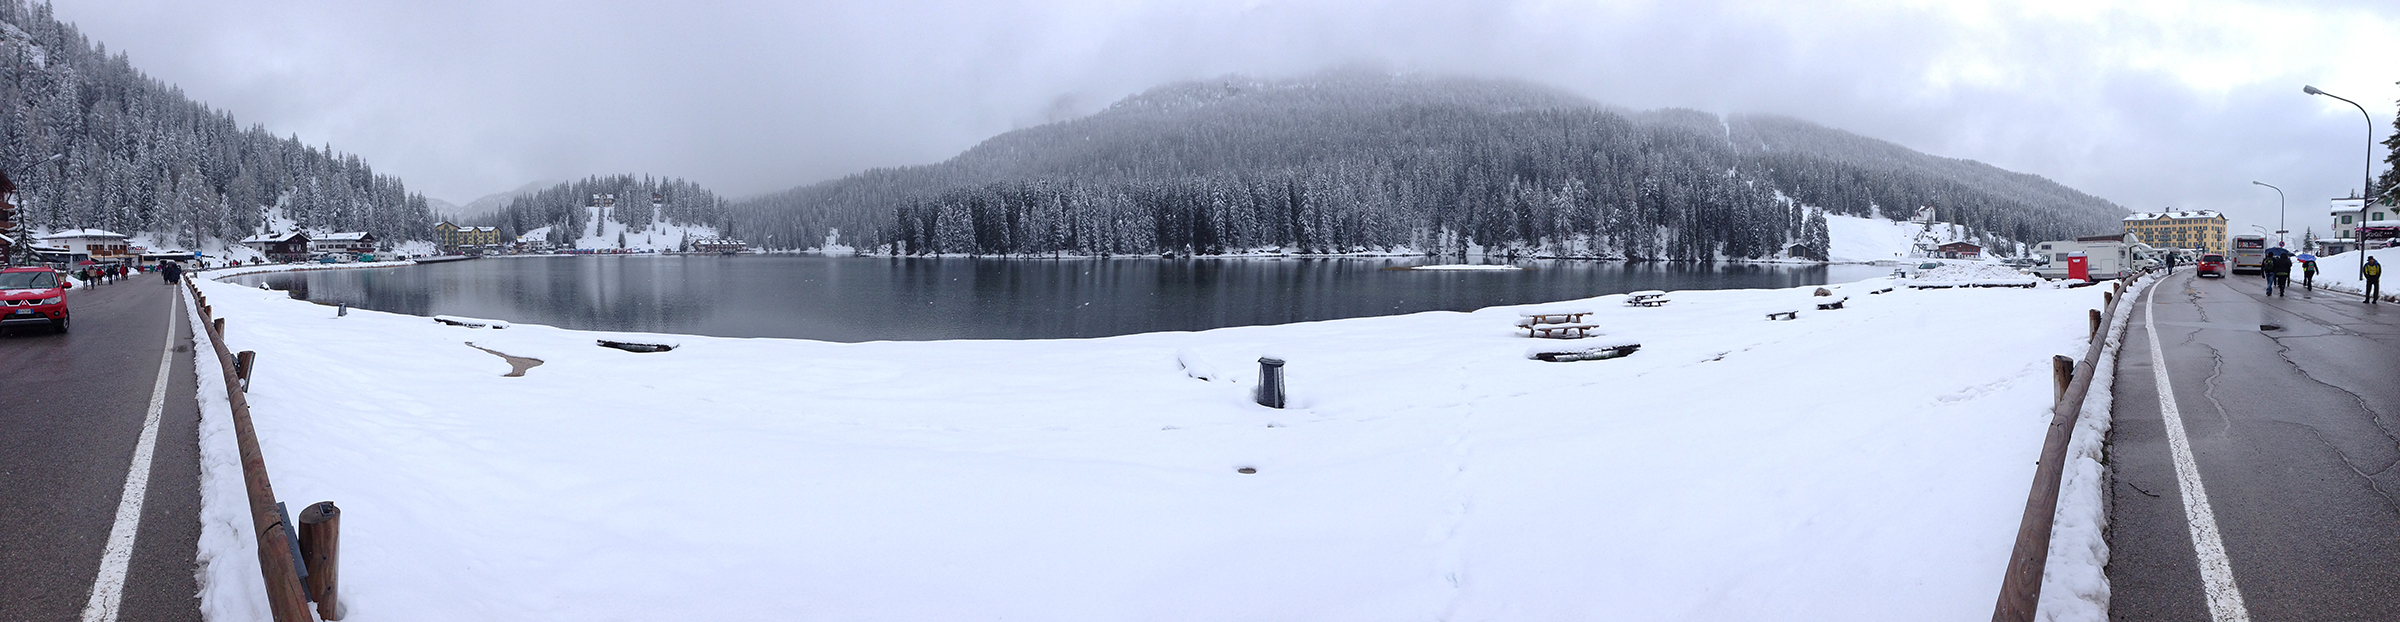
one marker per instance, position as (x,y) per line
(2294,433)
(72,407)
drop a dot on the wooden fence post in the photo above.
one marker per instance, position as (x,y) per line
(241,367)
(217,327)
(2095,317)
(2062,371)
(321,549)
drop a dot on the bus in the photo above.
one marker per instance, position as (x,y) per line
(2249,254)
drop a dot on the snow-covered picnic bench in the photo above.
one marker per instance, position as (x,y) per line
(469,322)
(1559,331)
(1584,350)
(1829,303)
(1784,314)
(1550,316)
(1646,298)
(1555,323)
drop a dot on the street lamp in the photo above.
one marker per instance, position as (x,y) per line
(2279,229)
(2367,187)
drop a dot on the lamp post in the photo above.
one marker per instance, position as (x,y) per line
(2366,187)
(2279,229)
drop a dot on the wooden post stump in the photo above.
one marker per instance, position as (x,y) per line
(321,550)
(2095,324)
(217,327)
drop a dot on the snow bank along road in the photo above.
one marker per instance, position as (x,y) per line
(84,536)
(1868,463)
(2294,435)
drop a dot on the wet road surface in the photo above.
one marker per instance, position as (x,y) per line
(72,409)
(2294,432)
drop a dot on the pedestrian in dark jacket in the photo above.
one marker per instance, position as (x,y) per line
(2279,275)
(2373,272)
(172,271)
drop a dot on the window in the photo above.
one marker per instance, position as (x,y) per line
(2345,219)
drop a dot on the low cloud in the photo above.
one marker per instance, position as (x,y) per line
(2151,105)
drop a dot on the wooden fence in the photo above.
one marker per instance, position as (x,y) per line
(2021,588)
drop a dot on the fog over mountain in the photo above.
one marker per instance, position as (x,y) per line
(1361,161)
(93,142)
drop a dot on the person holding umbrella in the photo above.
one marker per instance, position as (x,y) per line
(2308,270)
(2278,269)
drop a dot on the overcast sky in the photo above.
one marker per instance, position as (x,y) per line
(2149,104)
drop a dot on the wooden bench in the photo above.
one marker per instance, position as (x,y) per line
(1829,304)
(1646,298)
(1559,331)
(1783,315)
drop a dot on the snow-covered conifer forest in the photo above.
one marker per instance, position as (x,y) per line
(93,142)
(567,208)
(1347,161)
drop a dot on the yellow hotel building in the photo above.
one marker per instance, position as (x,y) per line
(2202,229)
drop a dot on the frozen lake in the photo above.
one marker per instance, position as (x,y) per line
(855,299)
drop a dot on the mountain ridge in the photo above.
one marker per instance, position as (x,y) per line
(1432,163)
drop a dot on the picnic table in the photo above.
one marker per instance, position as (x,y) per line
(1555,323)
(1829,303)
(1646,298)
(1551,316)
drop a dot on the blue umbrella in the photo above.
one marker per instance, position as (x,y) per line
(2305,257)
(2277,252)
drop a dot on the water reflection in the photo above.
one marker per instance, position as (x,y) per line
(883,298)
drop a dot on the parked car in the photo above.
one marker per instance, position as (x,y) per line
(33,297)
(2211,264)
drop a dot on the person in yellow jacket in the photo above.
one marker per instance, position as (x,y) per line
(2373,272)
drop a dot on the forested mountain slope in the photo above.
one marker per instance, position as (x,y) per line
(567,207)
(1345,162)
(93,142)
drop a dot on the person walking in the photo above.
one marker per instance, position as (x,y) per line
(2308,271)
(2279,275)
(2373,272)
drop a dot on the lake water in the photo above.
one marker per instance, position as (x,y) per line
(879,298)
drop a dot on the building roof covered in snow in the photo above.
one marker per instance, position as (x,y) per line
(352,236)
(81,233)
(264,238)
(2139,216)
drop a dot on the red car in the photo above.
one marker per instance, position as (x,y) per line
(2212,265)
(33,297)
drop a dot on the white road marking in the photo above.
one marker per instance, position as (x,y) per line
(109,588)
(2216,571)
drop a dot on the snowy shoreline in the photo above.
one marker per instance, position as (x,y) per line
(1870,464)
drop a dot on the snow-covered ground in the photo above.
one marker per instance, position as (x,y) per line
(1856,239)
(660,235)
(1868,463)
(2340,272)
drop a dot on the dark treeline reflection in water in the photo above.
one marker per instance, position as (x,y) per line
(880,298)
